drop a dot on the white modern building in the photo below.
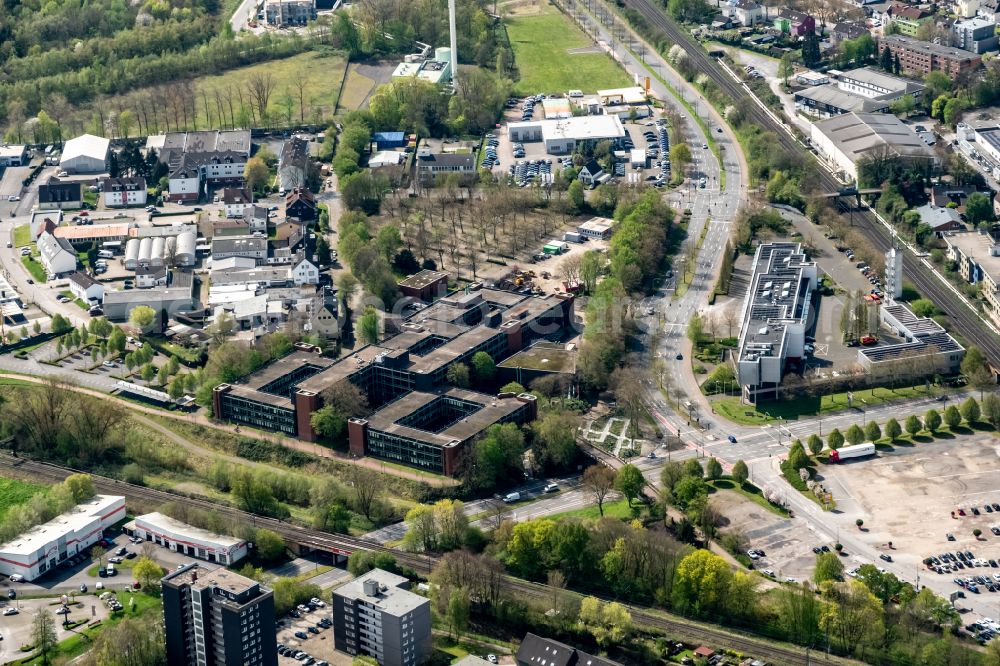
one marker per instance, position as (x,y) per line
(11,155)
(774,318)
(561,136)
(846,140)
(43,547)
(85,154)
(183,538)
(56,254)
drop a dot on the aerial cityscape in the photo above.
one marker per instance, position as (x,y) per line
(524,332)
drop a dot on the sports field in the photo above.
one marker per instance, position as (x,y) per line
(543,50)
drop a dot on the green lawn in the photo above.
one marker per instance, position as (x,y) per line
(749,491)
(810,406)
(14,492)
(22,235)
(35,268)
(541,44)
(618,509)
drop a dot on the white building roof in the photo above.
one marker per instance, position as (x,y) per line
(73,520)
(858,134)
(233,263)
(86,145)
(157,521)
(385,158)
(11,151)
(580,128)
(630,95)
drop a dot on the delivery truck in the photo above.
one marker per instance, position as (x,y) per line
(856,451)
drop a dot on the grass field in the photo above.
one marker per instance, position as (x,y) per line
(35,268)
(14,492)
(22,235)
(357,88)
(541,44)
(772,411)
(617,509)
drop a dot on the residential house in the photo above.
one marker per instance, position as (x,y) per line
(942,194)
(846,30)
(323,316)
(85,287)
(147,277)
(300,204)
(124,192)
(56,254)
(236,200)
(256,217)
(196,160)
(590,172)
(43,220)
(253,247)
(795,23)
(940,219)
(304,271)
(431,165)
(907,19)
(293,163)
(287,235)
(540,651)
(289,12)
(56,194)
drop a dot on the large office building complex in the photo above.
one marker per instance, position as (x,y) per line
(283,395)
(919,57)
(41,548)
(377,615)
(218,618)
(188,540)
(775,317)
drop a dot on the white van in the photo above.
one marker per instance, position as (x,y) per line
(106,254)
(576,93)
(512,497)
(110,570)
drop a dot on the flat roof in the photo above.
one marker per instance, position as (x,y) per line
(946,52)
(877,79)
(936,343)
(423,279)
(547,356)
(857,134)
(77,231)
(580,128)
(629,95)
(978,247)
(831,95)
(491,410)
(159,521)
(75,519)
(12,151)
(597,224)
(391,598)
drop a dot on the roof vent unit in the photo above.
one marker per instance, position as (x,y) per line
(762,330)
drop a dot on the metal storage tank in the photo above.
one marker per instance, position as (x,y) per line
(156,253)
(185,254)
(170,250)
(132,254)
(145,250)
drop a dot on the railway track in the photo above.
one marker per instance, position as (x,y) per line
(643,616)
(967,323)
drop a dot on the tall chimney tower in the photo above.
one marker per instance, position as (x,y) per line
(454,44)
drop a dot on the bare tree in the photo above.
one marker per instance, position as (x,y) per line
(368,485)
(570,267)
(261,86)
(599,481)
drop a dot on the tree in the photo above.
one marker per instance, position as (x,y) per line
(854,435)
(368,326)
(483,366)
(389,241)
(932,420)
(977,533)
(811,55)
(599,480)
(270,545)
(609,624)
(912,425)
(854,617)
(970,410)
(256,174)
(872,431)
(828,568)
(979,209)
(835,440)
(138,641)
(859,523)
(952,417)
(496,456)
(43,635)
(797,457)
(575,197)
(786,68)
(80,486)
(98,553)
(142,317)
(629,482)
(458,375)
(147,572)
(680,156)
(740,472)
(701,582)
(693,468)
(458,611)
(885,60)
(991,409)
(421,529)
(892,429)
(555,444)
(713,469)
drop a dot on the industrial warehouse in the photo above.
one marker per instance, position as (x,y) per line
(283,395)
(183,538)
(44,547)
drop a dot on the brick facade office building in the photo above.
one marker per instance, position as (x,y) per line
(283,395)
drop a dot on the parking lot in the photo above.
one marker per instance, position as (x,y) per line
(15,630)
(310,633)
(914,497)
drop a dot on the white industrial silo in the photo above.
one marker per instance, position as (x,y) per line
(185,254)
